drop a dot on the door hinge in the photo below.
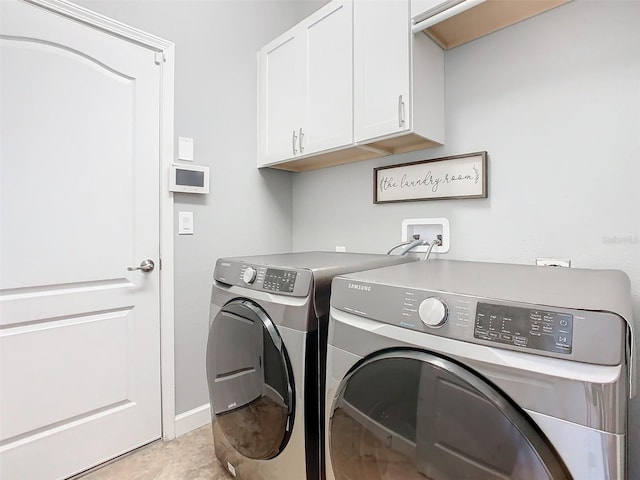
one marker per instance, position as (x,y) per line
(160,263)
(160,58)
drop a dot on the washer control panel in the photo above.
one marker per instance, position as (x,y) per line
(265,278)
(523,327)
(279,280)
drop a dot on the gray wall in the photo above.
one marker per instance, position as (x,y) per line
(248,211)
(555,101)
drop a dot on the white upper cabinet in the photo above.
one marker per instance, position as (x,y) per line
(281,85)
(328,101)
(348,83)
(305,89)
(398,80)
(382,65)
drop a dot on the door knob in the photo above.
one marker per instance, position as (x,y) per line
(146,266)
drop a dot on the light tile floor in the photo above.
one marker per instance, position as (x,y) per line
(189,457)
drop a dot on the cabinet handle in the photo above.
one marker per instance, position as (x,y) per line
(400,112)
(300,141)
(293,142)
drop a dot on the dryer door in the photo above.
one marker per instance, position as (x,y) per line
(250,380)
(413,415)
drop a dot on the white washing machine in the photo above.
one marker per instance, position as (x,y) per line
(266,357)
(449,370)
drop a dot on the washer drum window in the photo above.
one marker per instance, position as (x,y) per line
(250,380)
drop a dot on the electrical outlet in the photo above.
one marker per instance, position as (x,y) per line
(428,229)
(553,262)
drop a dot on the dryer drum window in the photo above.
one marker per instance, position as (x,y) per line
(414,415)
(250,380)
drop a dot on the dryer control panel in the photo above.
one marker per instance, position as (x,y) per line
(523,327)
(583,336)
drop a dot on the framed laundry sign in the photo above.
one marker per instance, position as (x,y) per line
(459,176)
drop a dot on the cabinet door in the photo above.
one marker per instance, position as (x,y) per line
(280,98)
(382,87)
(328,82)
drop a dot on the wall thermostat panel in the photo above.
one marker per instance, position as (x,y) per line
(189,178)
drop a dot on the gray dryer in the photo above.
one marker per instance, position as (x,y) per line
(461,370)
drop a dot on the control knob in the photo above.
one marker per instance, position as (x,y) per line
(249,275)
(433,312)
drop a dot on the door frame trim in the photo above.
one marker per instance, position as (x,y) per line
(165,55)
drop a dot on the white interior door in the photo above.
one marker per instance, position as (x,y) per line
(79,203)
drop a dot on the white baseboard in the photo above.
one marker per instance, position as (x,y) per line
(196,418)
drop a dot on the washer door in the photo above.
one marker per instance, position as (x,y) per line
(413,415)
(250,380)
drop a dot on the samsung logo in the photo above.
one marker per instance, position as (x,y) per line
(364,288)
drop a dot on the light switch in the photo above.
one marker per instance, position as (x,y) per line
(185,149)
(185,223)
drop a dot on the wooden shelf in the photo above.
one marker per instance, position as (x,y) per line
(485,18)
